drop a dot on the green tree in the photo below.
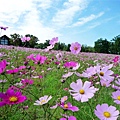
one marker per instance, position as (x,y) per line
(102,46)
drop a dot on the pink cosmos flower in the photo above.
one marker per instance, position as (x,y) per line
(11,97)
(116,96)
(105,83)
(59,56)
(31,56)
(105,112)
(115,87)
(39,59)
(89,72)
(2,66)
(24,39)
(63,99)
(12,71)
(68,106)
(70,64)
(26,82)
(49,48)
(43,100)
(115,60)
(22,67)
(53,41)
(1,54)
(69,118)
(75,48)
(82,92)
(67,75)
(104,73)
(118,82)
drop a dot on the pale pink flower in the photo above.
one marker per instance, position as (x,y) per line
(75,48)
(105,112)
(53,41)
(116,96)
(82,92)
(104,73)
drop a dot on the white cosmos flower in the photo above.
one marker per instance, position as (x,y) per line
(43,100)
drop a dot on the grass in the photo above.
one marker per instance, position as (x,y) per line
(51,84)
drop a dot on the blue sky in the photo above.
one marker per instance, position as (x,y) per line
(82,21)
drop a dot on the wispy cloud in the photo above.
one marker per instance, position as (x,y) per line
(83,20)
(29,15)
(65,15)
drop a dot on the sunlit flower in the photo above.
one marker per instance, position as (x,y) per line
(43,100)
(75,48)
(11,97)
(82,92)
(105,112)
(116,96)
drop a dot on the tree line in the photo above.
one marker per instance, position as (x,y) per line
(100,46)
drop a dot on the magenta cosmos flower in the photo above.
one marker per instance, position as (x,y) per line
(39,59)
(69,118)
(11,97)
(105,112)
(75,48)
(2,66)
(115,60)
(82,92)
(70,64)
(68,106)
(116,96)
(16,70)
(53,41)
(24,39)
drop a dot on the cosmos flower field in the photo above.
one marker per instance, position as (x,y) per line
(45,84)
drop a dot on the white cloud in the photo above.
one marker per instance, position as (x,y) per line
(29,12)
(65,15)
(84,20)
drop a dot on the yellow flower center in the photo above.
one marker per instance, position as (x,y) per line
(42,101)
(65,106)
(118,97)
(101,73)
(81,91)
(107,114)
(75,48)
(13,99)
